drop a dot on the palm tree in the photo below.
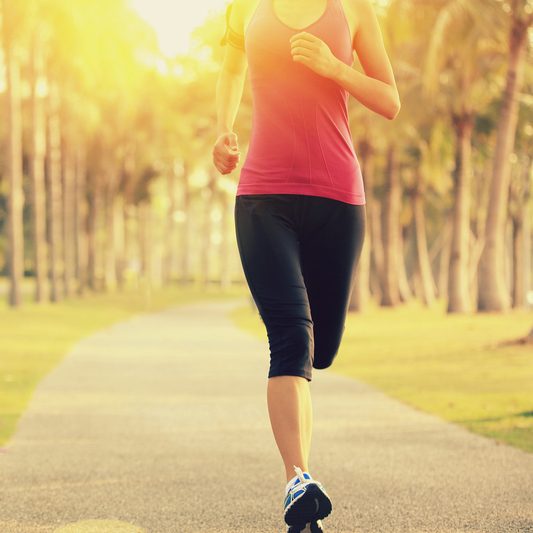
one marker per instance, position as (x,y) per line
(423,262)
(415,157)
(458,291)
(53,171)
(170,227)
(68,211)
(453,69)
(227,210)
(361,286)
(493,292)
(38,147)
(373,212)
(186,227)
(391,228)
(13,154)
(519,206)
(80,222)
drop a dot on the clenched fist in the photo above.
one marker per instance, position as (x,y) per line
(314,53)
(226,152)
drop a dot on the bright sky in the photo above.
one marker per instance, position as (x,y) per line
(175,19)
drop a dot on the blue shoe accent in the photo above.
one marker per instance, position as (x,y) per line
(305,475)
(305,501)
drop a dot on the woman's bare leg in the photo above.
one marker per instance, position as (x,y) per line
(290,411)
(307,412)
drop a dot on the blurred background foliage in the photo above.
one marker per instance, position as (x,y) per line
(106,175)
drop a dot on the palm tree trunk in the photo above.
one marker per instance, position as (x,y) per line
(92,226)
(54,191)
(110,270)
(186,228)
(377,270)
(15,256)
(129,219)
(520,193)
(403,281)
(68,224)
(493,292)
(529,337)
(37,161)
(519,289)
(391,291)
(444,258)
(119,222)
(361,283)
(528,251)
(361,287)
(144,232)
(375,244)
(424,266)
(225,273)
(458,287)
(80,224)
(435,252)
(145,240)
(205,253)
(170,230)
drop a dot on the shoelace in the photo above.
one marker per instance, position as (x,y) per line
(301,479)
(299,473)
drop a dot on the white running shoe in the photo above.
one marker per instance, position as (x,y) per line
(306,501)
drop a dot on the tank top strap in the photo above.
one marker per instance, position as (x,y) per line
(337,6)
(341,16)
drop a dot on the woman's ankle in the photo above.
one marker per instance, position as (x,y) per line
(291,475)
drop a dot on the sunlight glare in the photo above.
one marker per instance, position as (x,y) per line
(174,20)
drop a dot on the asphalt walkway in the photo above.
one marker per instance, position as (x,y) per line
(159,424)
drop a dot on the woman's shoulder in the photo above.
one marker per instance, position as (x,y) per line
(240,12)
(359,14)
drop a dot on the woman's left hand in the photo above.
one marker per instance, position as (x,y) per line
(314,53)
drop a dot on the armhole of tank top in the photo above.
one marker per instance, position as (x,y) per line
(253,15)
(348,29)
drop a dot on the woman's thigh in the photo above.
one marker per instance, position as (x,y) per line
(332,239)
(269,249)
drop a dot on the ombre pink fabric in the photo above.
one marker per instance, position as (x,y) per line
(301,141)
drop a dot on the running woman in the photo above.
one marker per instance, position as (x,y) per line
(300,203)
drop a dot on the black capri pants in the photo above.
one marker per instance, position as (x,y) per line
(299,254)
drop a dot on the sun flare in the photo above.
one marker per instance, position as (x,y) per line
(174,20)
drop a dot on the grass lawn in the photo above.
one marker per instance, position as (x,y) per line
(35,338)
(450,365)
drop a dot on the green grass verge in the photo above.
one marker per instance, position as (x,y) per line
(453,366)
(35,338)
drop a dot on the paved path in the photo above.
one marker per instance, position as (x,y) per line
(159,424)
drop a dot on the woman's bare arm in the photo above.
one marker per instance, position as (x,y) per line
(229,89)
(230,86)
(376,88)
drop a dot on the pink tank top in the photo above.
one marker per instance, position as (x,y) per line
(301,141)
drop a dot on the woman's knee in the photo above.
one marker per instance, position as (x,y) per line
(291,349)
(325,359)
(326,349)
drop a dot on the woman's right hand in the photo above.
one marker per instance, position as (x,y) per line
(226,152)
